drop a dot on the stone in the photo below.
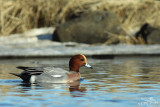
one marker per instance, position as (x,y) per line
(90,28)
(150,34)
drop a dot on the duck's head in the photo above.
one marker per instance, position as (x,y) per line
(77,61)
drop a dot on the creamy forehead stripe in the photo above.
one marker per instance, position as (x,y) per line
(84,57)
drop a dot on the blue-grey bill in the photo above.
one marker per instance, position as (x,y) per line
(89,66)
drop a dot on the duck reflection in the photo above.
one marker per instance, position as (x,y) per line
(73,88)
(76,90)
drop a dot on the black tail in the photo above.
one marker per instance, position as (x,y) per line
(18,75)
(25,77)
(28,72)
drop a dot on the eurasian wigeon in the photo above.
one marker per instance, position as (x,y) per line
(52,74)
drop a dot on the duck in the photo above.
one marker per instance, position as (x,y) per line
(53,74)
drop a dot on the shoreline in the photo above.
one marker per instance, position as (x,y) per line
(93,51)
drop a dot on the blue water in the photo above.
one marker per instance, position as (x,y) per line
(119,82)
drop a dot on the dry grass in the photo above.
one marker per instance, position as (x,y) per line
(20,15)
(130,39)
(134,13)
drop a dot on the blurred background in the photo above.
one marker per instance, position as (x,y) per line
(44,24)
(131,22)
(120,39)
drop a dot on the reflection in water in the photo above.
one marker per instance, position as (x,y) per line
(112,82)
(74,88)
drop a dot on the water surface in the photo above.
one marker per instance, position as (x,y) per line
(124,82)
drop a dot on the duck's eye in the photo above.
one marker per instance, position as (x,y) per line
(82,59)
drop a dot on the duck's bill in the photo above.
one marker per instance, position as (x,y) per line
(87,65)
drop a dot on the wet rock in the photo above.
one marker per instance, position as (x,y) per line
(89,28)
(150,34)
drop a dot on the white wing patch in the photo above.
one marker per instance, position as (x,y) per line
(56,75)
(33,79)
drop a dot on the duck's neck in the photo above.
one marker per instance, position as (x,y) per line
(74,68)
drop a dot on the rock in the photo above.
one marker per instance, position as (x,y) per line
(89,28)
(150,34)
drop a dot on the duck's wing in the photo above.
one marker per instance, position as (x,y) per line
(52,75)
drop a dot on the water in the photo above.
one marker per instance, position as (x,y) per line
(122,82)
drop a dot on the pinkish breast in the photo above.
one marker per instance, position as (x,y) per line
(74,76)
